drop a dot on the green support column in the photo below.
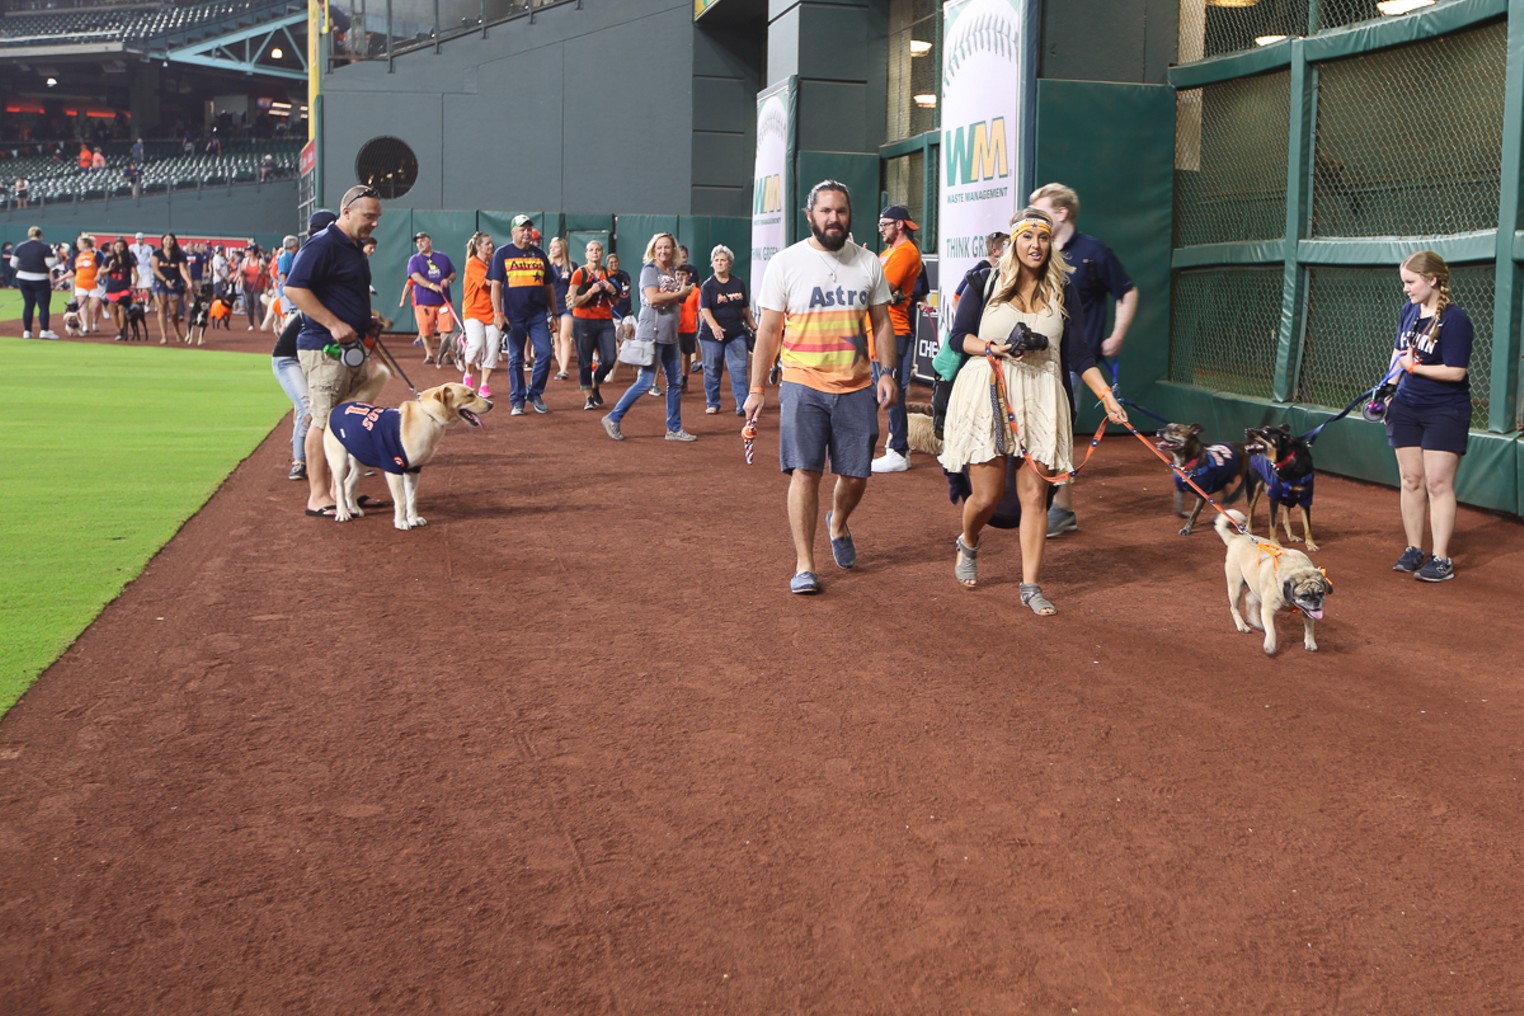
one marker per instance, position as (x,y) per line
(1503,413)
(1288,355)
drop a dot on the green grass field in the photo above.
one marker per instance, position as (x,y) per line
(110,450)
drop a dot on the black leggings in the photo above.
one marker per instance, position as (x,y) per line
(592,334)
(35,296)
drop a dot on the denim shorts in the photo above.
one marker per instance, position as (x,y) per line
(813,424)
(1432,428)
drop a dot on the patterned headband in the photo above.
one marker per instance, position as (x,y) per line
(1022,225)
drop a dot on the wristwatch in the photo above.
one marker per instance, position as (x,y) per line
(894,374)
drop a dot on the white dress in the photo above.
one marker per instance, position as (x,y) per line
(1034,388)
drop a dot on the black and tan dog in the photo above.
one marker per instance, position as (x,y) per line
(1282,463)
(1222,470)
(1270,578)
(399,442)
(137,322)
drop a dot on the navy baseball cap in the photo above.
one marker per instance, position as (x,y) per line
(321,220)
(898,212)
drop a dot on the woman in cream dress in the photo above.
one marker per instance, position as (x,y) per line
(1031,287)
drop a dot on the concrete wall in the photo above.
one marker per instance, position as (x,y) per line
(616,107)
(265,212)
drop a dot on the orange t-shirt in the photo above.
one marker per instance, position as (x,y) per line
(687,320)
(599,308)
(477,304)
(85,267)
(902,267)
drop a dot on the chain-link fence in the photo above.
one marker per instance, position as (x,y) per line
(1338,13)
(1224,328)
(1352,321)
(1230,168)
(1211,29)
(1383,168)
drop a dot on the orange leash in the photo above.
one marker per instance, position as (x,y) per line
(1242,530)
(1002,404)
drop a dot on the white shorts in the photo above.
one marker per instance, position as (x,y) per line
(483,341)
(88,294)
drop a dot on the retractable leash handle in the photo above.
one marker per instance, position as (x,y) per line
(1372,406)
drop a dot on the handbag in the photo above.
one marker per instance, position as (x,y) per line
(638,352)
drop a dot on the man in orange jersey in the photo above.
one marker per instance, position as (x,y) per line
(822,288)
(902,267)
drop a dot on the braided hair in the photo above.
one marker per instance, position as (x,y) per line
(1050,287)
(1430,265)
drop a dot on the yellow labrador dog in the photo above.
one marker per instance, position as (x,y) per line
(397,441)
(1270,578)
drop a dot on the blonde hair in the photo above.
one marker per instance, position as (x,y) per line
(650,254)
(34,232)
(1427,263)
(476,238)
(1050,287)
(565,251)
(1061,196)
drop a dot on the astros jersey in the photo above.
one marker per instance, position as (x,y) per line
(523,274)
(823,297)
(371,434)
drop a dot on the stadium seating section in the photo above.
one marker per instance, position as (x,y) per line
(168,168)
(137,24)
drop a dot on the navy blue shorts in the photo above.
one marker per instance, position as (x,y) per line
(1434,429)
(812,424)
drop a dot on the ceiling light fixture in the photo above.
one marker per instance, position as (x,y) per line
(919,47)
(277,53)
(1269,40)
(1231,3)
(926,100)
(1392,8)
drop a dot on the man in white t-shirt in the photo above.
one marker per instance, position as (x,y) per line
(814,295)
(142,284)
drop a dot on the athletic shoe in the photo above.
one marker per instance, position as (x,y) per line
(418,343)
(655,391)
(485,392)
(680,435)
(26,335)
(47,333)
(890,462)
(1061,520)
(468,381)
(298,471)
(711,410)
(538,404)
(697,368)
(517,410)
(611,428)
(591,403)
(561,375)
(1411,560)
(596,397)
(1439,569)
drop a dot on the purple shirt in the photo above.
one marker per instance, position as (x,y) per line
(436,268)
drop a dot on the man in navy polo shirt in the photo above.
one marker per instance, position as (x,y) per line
(522,295)
(330,285)
(1097,275)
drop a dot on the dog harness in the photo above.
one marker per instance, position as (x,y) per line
(371,434)
(1281,491)
(1214,469)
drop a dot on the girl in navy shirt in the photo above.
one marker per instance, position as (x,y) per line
(1429,417)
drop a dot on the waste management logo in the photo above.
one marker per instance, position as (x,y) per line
(770,185)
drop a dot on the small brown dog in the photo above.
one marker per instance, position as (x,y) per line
(1270,578)
(922,435)
(1216,469)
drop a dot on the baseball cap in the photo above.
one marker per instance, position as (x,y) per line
(140,236)
(899,212)
(522,220)
(320,220)
(420,235)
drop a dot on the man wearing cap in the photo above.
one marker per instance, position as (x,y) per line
(901,260)
(522,296)
(431,272)
(330,285)
(143,253)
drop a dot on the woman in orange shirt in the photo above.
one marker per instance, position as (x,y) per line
(483,338)
(87,264)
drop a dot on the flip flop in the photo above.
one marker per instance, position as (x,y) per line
(325,512)
(366,501)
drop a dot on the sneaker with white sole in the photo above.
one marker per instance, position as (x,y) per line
(611,428)
(485,392)
(47,333)
(891,462)
(1061,520)
(517,410)
(26,335)
(1439,569)
(468,381)
(1411,560)
(680,435)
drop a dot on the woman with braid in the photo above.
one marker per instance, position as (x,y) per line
(1429,417)
(1032,290)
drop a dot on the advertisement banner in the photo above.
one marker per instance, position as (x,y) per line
(986,86)
(771,204)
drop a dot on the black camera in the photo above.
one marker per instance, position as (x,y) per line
(1022,339)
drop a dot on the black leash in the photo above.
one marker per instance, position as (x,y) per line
(387,353)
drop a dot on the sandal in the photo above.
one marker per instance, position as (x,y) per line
(1031,596)
(966,569)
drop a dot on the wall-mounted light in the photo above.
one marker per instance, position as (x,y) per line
(1392,8)
(1231,3)
(919,47)
(926,100)
(52,82)
(1269,40)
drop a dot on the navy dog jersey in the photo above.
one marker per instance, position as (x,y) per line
(1278,490)
(1214,470)
(371,434)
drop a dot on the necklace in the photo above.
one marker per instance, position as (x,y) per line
(831,263)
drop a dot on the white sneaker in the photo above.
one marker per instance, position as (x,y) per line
(891,462)
(26,335)
(47,333)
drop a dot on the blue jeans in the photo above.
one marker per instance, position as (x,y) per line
(729,354)
(670,359)
(538,332)
(899,420)
(288,371)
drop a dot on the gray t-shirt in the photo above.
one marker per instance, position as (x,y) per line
(658,323)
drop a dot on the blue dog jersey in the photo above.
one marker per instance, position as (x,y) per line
(1279,491)
(371,434)
(1214,470)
